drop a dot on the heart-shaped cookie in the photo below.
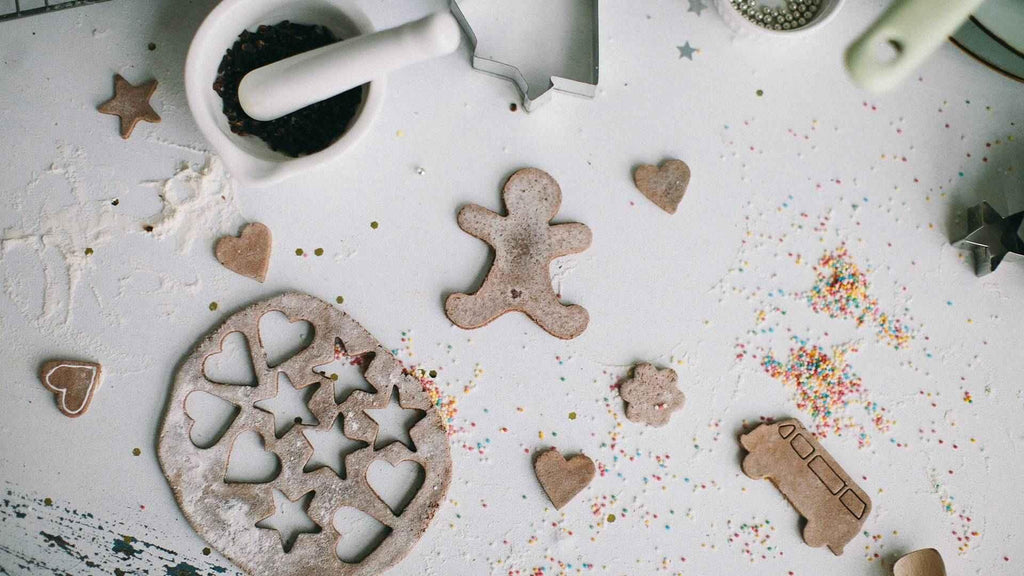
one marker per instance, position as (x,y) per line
(563,479)
(664,186)
(249,253)
(73,384)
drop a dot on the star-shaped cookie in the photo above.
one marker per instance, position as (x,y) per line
(130,104)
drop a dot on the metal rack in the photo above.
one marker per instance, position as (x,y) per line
(11,9)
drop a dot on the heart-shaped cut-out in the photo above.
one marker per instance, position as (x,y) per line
(211,417)
(73,384)
(664,186)
(360,534)
(395,485)
(249,253)
(233,364)
(282,338)
(249,462)
(563,479)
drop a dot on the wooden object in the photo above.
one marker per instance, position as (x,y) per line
(925,562)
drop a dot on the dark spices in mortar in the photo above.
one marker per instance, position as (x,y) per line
(304,131)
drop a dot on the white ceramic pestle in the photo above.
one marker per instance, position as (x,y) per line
(288,85)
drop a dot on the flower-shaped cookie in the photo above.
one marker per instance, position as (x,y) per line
(651,395)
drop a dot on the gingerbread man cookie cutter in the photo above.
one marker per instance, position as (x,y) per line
(524,245)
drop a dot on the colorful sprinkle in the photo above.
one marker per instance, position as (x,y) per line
(841,290)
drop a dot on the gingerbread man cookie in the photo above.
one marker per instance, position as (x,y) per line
(524,245)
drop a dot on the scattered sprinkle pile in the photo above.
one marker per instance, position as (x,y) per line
(825,385)
(841,290)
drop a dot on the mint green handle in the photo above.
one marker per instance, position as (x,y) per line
(911,30)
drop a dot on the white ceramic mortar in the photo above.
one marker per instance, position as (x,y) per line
(249,160)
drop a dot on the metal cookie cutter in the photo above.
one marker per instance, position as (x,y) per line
(585,84)
(991,237)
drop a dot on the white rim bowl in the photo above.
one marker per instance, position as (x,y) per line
(829,10)
(249,159)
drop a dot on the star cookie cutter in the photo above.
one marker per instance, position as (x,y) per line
(533,96)
(991,237)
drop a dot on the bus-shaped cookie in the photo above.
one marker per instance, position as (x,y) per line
(820,490)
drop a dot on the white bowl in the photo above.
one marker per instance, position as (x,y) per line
(249,159)
(829,10)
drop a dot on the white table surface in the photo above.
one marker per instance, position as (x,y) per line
(778,180)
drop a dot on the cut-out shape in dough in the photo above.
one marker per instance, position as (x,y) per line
(925,562)
(562,479)
(524,245)
(652,395)
(810,479)
(247,254)
(72,383)
(282,338)
(250,462)
(396,485)
(289,406)
(394,423)
(232,364)
(211,415)
(225,513)
(330,448)
(290,518)
(346,372)
(665,186)
(359,534)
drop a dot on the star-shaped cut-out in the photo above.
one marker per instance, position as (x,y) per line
(697,6)
(330,448)
(131,104)
(346,372)
(289,406)
(290,518)
(687,51)
(991,237)
(394,423)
